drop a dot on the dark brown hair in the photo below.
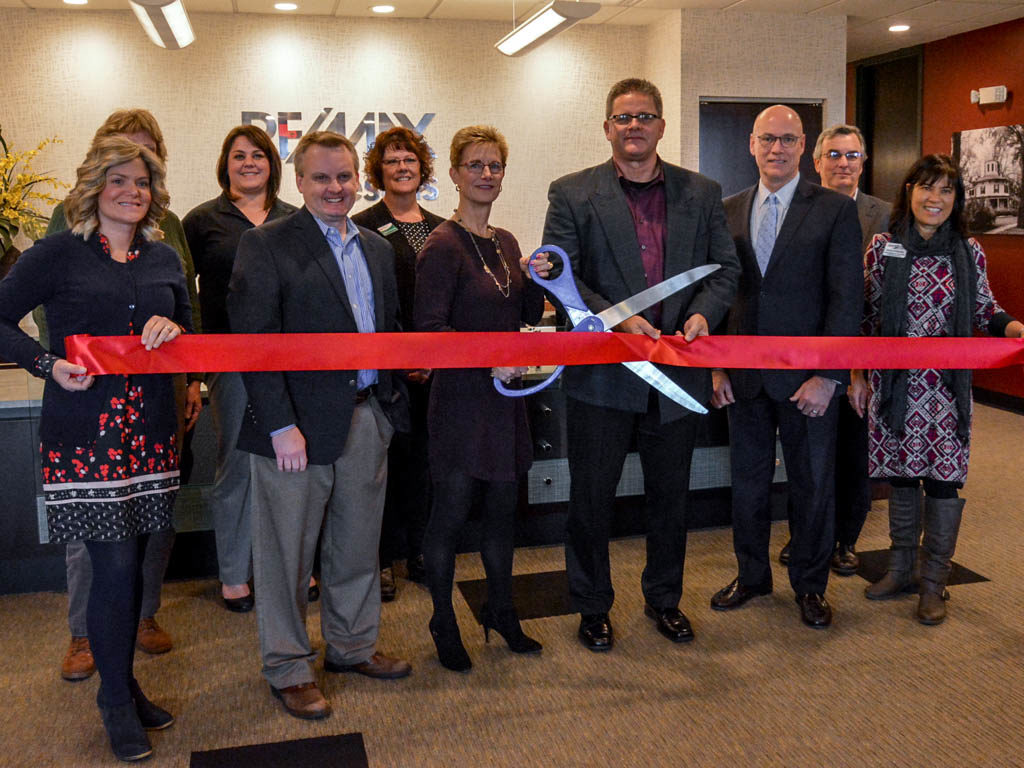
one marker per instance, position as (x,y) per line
(261,140)
(633,85)
(928,170)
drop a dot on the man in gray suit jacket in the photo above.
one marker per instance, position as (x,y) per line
(318,439)
(626,225)
(799,245)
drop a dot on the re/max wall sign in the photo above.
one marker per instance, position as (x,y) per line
(287,127)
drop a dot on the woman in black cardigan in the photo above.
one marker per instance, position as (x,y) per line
(399,165)
(108,447)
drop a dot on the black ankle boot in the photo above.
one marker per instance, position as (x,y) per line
(506,623)
(151,716)
(450,650)
(128,740)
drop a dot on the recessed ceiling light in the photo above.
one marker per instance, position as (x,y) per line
(76,2)
(382,8)
(899,27)
(286,6)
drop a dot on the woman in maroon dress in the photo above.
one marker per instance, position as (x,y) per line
(109,458)
(925,278)
(471,276)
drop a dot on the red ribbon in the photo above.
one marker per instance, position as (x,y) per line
(351,351)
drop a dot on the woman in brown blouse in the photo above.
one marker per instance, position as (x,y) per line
(471,277)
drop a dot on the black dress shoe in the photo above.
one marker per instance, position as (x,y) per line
(736,594)
(239,604)
(596,632)
(815,610)
(672,623)
(784,553)
(844,560)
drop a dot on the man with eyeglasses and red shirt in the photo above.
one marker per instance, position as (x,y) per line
(627,224)
(799,246)
(839,159)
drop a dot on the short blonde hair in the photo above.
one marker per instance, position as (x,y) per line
(127,121)
(82,204)
(477,134)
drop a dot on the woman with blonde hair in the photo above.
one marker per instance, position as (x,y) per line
(471,277)
(108,444)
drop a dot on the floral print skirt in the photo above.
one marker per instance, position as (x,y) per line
(120,486)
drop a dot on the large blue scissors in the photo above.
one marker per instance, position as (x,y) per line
(564,289)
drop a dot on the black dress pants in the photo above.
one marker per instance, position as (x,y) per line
(853,488)
(598,439)
(808,446)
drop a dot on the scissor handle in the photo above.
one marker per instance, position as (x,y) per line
(562,287)
(529,390)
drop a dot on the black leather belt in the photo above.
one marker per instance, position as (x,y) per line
(364,394)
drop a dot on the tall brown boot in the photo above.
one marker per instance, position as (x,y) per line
(904,531)
(941,527)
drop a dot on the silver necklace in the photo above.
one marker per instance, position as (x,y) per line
(497,247)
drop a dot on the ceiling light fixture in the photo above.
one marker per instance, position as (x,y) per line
(382,8)
(286,6)
(75,2)
(899,27)
(553,18)
(165,21)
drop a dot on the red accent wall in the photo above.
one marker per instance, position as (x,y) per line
(953,67)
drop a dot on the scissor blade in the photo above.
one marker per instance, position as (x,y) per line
(637,303)
(649,373)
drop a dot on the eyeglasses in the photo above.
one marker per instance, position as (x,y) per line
(835,154)
(626,119)
(394,162)
(768,140)
(476,167)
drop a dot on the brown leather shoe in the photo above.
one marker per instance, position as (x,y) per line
(303,701)
(377,666)
(78,663)
(151,638)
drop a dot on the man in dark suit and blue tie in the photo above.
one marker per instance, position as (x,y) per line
(318,439)
(626,225)
(799,246)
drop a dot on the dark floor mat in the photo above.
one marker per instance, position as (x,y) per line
(873,565)
(536,595)
(344,751)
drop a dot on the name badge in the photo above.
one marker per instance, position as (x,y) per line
(387,229)
(894,251)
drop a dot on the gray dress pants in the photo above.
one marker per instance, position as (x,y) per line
(230,497)
(346,500)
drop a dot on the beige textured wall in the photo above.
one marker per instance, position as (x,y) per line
(549,104)
(759,55)
(69,69)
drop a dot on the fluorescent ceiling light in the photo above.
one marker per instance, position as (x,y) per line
(899,27)
(286,6)
(75,2)
(382,8)
(554,17)
(165,21)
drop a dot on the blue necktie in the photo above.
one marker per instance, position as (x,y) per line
(766,233)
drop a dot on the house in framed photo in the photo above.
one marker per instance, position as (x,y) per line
(993,190)
(991,162)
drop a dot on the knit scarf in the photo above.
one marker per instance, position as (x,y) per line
(895,283)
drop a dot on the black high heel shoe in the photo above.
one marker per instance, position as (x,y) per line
(450,650)
(506,623)
(151,716)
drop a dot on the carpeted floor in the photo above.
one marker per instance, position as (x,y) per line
(756,688)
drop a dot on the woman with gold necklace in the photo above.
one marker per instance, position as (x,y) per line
(471,276)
